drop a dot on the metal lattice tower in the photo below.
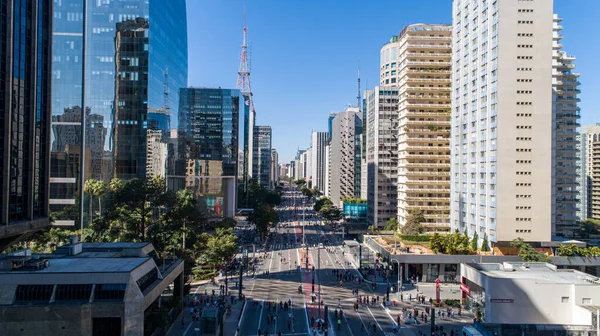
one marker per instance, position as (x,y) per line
(166,106)
(243,81)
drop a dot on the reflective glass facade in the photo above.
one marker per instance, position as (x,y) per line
(262,153)
(355,210)
(209,121)
(24,116)
(125,79)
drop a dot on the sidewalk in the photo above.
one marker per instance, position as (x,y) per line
(230,324)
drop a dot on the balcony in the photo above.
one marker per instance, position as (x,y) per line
(427,80)
(429,46)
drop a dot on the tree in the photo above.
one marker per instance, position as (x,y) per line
(322,202)
(306,192)
(263,217)
(527,252)
(485,245)
(226,223)
(413,223)
(316,192)
(474,242)
(219,248)
(332,213)
(96,188)
(300,182)
(436,243)
(392,225)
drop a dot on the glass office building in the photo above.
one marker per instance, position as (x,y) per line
(121,87)
(208,137)
(24,116)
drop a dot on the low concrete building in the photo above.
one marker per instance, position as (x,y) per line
(85,289)
(529,298)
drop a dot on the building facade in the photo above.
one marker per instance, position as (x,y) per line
(382,154)
(262,146)
(343,154)
(275,169)
(423,127)
(156,154)
(318,142)
(25,102)
(565,183)
(583,180)
(591,171)
(502,119)
(119,115)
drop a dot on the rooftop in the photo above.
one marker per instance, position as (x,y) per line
(87,265)
(536,271)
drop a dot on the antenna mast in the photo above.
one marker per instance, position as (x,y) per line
(166,106)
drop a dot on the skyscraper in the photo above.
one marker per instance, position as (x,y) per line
(25,117)
(119,88)
(343,152)
(209,123)
(423,128)
(275,169)
(382,154)
(262,147)
(565,192)
(590,168)
(504,121)
(318,142)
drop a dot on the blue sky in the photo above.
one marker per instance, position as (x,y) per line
(305,53)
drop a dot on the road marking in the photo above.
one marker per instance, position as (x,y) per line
(188,328)
(374,319)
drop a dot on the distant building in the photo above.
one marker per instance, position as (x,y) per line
(318,142)
(591,166)
(262,147)
(382,154)
(25,115)
(159,119)
(86,289)
(530,298)
(156,154)
(274,167)
(343,159)
(586,135)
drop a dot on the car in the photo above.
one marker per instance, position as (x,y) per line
(320,245)
(303,245)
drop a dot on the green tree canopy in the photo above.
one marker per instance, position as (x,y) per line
(354,200)
(322,202)
(414,223)
(332,213)
(392,225)
(527,252)
(219,248)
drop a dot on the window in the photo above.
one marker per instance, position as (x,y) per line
(564,299)
(108,292)
(33,293)
(586,301)
(147,280)
(73,292)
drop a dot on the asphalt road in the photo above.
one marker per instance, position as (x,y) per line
(283,269)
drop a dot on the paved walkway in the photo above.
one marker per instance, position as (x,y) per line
(230,324)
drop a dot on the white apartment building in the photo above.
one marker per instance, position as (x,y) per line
(591,171)
(502,119)
(582,174)
(381,154)
(156,154)
(423,73)
(318,142)
(566,193)
(342,153)
(327,168)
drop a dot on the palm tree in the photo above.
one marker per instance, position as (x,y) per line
(95,188)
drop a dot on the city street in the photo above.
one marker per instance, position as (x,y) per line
(299,251)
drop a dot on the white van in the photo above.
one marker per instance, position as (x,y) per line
(471,331)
